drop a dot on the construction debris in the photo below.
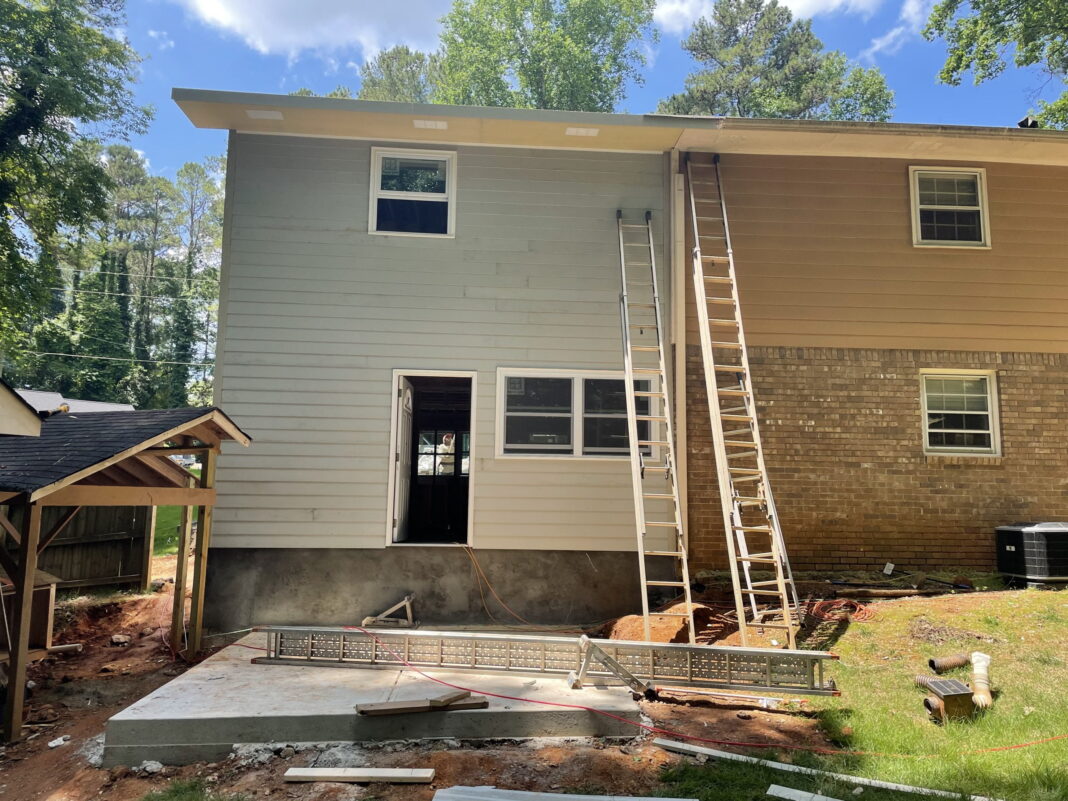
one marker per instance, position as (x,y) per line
(447,702)
(775,791)
(942,664)
(696,750)
(388,775)
(718,667)
(385,620)
(981,696)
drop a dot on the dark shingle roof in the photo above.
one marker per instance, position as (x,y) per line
(72,442)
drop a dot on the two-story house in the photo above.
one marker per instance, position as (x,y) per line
(419,324)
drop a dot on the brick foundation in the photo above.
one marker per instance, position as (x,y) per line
(843,440)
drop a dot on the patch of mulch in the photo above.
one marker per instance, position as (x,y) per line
(920,628)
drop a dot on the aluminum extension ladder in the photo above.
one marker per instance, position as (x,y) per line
(652,451)
(745,492)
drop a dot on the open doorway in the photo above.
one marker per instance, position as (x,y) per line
(432,460)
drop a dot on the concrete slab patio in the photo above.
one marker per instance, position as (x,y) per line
(226,699)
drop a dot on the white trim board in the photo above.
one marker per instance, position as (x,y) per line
(398,373)
(992,397)
(914,205)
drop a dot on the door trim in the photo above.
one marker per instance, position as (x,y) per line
(390,464)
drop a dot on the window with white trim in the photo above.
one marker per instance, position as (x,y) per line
(949,207)
(567,415)
(960,413)
(413,192)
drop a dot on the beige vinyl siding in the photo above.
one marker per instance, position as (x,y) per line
(317,314)
(824,256)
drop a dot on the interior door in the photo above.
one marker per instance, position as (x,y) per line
(402,461)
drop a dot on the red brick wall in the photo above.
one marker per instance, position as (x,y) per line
(843,441)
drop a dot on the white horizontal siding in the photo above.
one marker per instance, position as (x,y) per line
(317,314)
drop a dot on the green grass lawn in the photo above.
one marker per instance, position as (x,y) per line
(880,710)
(167,520)
(190,791)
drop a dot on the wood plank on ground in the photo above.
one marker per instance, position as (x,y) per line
(390,775)
(422,705)
(791,794)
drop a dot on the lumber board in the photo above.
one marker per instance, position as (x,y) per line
(452,696)
(423,705)
(696,750)
(390,775)
(791,794)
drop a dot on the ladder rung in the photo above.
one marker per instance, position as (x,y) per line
(670,614)
(737,393)
(710,299)
(665,583)
(730,368)
(710,236)
(746,471)
(654,370)
(762,558)
(647,394)
(745,500)
(743,479)
(653,442)
(646,348)
(653,418)
(641,305)
(738,443)
(635,244)
(761,529)
(771,583)
(715,258)
(718,279)
(663,553)
(634,225)
(735,417)
(722,321)
(761,592)
(661,523)
(737,345)
(710,219)
(742,455)
(662,496)
(754,624)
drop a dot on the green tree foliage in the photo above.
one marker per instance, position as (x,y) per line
(757,61)
(134,317)
(550,54)
(979,33)
(64,76)
(400,74)
(340,91)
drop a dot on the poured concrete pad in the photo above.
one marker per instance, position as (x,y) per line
(226,699)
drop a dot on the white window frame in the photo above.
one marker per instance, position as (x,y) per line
(448,196)
(992,404)
(983,208)
(577,414)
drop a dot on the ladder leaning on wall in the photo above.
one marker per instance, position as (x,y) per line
(749,516)
(657,510)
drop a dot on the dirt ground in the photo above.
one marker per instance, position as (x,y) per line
(76,694)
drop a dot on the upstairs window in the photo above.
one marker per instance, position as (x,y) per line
(960,413)
(413,192)
(949,207)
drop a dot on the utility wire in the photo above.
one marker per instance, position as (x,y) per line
(120,294)
(118,359)
(134,277)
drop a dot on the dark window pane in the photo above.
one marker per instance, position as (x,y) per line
(967,422)
(949,190)
(941,225)
(537,435)
(940,439)
(413,216)
(413,175)
(609,434)
(605,396)
(539,394)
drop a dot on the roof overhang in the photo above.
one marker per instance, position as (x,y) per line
(17,417)
(289,115)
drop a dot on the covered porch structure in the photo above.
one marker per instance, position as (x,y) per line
(104,459)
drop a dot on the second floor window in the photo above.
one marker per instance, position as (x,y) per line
(413,192)
(949,207)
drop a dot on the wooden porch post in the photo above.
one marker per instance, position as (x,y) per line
(150,544)
(200,556)
(185,536)
(23,580)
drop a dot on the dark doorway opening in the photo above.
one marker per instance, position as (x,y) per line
(438,462)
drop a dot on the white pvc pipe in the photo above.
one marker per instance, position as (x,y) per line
(981,696)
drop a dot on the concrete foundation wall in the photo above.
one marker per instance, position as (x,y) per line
(333,586)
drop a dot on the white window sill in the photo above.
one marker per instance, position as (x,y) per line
(963,458)
(951,245)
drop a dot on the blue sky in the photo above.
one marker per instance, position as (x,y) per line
(281,45)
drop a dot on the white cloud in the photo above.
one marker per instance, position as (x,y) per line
(911,19)
(284,27)
(163,41)
(677,16)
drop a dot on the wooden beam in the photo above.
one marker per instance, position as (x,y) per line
(200,556)
(178,451)
(9,527)
(57,529)
(150,545)
(185,535)
(23,578)
(388,775)
(86,495)
(174,472)
(7,496)
(217,417)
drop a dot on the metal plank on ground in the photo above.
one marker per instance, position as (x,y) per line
(667,664)
(390,775)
